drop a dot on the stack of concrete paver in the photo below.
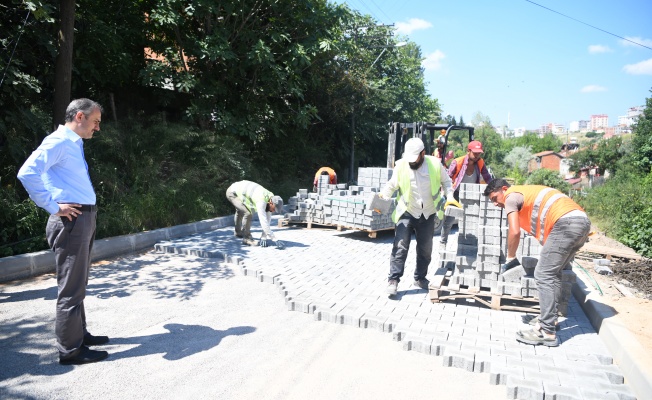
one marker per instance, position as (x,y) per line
(355,206)
(482,248)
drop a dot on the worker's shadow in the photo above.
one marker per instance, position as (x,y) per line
(182,341)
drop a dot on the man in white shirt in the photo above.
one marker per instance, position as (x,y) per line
(419,180)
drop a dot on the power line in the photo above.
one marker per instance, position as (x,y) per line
(14,50)
(594,27)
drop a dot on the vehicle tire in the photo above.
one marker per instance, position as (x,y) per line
(438,225)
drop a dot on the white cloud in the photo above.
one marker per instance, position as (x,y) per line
(637,39)
(593,89)
(598,48)
(414,24)
(641,68)
(433,60)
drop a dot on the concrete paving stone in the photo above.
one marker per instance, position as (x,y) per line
(544,376)
(417,343)
(556,392)
(623,391)
(498,374)
(482,363)
(354,290)
(591,394)
(462,359)
(402,329)
(523,389)
(467,341)
(543,361)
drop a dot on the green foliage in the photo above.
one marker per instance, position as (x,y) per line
(605,155)
(641,156)
(518,159)
(622,207)
(167,174)
(22,224)
(548,178)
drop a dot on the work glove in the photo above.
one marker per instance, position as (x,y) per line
(262,243)
(452,202)
(280,245)
(509,264)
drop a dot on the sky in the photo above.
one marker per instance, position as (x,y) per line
(524,65)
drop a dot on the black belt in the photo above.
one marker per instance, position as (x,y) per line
(88,207)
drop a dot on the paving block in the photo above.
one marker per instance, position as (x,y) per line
(524,389)
(462,359)
(498,373)
(556,392)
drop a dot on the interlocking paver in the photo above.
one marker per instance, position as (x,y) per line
(341,276)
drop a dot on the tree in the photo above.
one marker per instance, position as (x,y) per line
(605,155)
(549,178)
(642,139)
(518,158)
(63,68)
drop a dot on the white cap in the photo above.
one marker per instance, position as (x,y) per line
(413,148)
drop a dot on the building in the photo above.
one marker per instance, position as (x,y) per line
(546,128)
(518,132)
(625,122)
(546,159)
(599,122)
(574,126)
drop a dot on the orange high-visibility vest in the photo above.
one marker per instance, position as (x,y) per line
(458,167)
(542,207)
(332,176)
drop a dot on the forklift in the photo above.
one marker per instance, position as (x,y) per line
(430,134)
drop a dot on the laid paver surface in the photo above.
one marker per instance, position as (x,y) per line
(187,325)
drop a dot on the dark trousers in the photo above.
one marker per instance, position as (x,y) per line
(423,229)
(72,242)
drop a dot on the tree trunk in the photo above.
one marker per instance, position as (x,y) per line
(63,68)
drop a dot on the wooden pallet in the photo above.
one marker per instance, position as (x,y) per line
(607,252)
(440,289)
(309,224)
(371,233)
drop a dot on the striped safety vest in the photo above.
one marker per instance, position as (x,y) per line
(251,194)
(405,188)
(542,207)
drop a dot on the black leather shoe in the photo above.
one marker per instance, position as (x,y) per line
(90,340)
(83,356)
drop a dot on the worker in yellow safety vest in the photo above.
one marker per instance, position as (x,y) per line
(248,198)
(560,225)
(419,180)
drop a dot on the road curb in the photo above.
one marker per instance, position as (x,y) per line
(42,262)
(627,351)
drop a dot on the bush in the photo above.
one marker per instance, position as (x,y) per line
(549,178)
(622,207)
(147,174)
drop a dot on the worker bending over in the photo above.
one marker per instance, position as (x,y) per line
(332,177)
(560,225)
(248,197)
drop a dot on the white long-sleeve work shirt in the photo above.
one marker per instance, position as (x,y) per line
(421,201)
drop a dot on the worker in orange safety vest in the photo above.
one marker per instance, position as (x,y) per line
(332,177)
(470,168)
(560,225)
